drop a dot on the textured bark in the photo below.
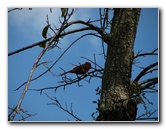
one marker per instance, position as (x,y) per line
(116,103)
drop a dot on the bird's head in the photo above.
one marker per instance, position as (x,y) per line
(88,64)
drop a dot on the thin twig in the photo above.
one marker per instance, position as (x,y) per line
(14,9)
(57,103)
(146,54)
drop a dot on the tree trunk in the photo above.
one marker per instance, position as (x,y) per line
(116,103)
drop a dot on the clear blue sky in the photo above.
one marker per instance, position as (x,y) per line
(24,28)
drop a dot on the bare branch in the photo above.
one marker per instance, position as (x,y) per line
(14,9)
(48,39)
(144,71)
(150,82)
(22,113)
(30,46)
(68,81)
(57,103)
(146,54)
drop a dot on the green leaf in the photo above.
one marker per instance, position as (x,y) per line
(42,45)
(64,11)
(44,32)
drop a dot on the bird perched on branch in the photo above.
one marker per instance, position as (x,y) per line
(81,69)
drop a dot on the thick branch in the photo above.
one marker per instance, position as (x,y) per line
(150,82)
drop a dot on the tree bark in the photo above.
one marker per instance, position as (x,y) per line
(116,103)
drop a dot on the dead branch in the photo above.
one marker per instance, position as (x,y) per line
(22,113)
(57,103)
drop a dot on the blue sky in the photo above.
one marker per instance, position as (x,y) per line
(24,28)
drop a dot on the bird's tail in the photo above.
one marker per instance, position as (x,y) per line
(64,73)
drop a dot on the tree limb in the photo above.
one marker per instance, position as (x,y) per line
(46,40)
(146,54)
(144,71)
(150,82)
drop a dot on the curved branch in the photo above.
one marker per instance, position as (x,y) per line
(148,80)
(89,27)
(93,27)
(144,71)
(14,9)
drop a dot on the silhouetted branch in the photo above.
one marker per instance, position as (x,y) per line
(145,71)
(150,82)
(17,9)
(14,9)
(30,46)
(63,34)
(66,82)
(22,113)
(148,116)
(58,104)
(146,54)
